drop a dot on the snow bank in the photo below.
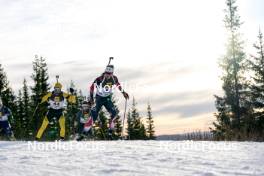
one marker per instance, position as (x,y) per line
(131,158)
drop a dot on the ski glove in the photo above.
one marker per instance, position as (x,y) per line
(125,95)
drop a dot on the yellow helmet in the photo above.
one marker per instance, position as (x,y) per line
(58,85)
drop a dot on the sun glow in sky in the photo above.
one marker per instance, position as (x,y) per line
(166,52)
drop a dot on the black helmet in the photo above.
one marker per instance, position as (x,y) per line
(109,69)
(86,105)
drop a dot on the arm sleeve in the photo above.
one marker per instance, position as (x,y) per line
(70,98)
(117,83)
(45,98)
(92,87)
(92,91)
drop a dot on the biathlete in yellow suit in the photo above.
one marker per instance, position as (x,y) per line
(57,103)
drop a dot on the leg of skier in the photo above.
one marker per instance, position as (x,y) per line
(112,110)
(6,128)
(80,131)
(62,127)
(94,113)
(42,128)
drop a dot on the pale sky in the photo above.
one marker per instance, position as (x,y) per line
(166,51)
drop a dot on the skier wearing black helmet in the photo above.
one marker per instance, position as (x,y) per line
(103,87)
(83,119)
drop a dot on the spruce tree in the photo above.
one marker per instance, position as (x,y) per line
(5,90)
(72,110)
(257,87)
(142,132)
(118,122)
(27,113)
(20,111)
(222,130)
(79,100)
(3,80)
(136,121)
(39,89)
(118,128)
(138,129)
(235,100)
(130,128)
(150,124)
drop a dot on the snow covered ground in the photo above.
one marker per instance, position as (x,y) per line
(131,158)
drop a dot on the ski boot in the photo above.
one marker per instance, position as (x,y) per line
(80,137)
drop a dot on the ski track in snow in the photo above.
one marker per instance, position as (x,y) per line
(133,158)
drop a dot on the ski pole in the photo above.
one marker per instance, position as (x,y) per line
(34,113)
(110,58)
(124,118)
(57,78)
